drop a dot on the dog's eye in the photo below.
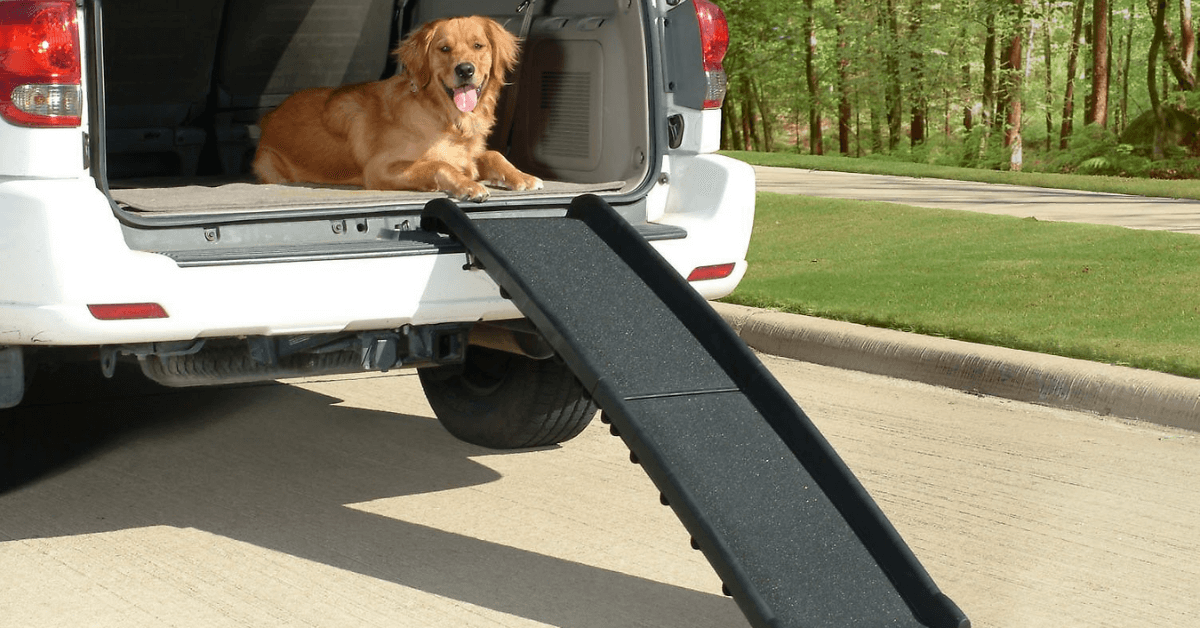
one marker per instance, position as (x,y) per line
(478,46)
(445,48)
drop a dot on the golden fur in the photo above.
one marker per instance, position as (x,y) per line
(413,131)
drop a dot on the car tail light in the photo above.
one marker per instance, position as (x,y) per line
(40,63)
(716,271)
(714,42)
(127,311)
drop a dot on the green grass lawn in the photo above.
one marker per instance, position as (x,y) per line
(1096,292)
(1116,185)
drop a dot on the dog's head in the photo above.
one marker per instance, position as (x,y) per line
(464,58)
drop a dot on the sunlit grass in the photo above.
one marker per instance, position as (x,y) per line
(1096,292)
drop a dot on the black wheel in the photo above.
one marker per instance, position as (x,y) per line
(508,401)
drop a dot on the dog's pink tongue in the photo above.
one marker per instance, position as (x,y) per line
(465,98)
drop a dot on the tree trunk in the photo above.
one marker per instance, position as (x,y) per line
(749,128)
(877,123)
(858,132)
(735,127)
(1123,121)
(920,97)
(989,72)
(797,143)
(1046,44)
(816,142)
(1029,50)
(1109,45)
(843,86)
(968,106)
(947,96)
(1012,78)
(1187,34)
(1160,119)
(892,93)
(765,118)
(1012,67)
(748,142)
(1165,81)
(1098,103)
(728,141)
(1068,116)
(1174,55)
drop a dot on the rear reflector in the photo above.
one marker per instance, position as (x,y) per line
(127,311)
(716,271)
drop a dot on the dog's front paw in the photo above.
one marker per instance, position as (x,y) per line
(471,192)
(527,182)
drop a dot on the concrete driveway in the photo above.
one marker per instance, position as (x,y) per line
(1135,212)
(341,503)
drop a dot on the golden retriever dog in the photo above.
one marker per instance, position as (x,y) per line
(424,129)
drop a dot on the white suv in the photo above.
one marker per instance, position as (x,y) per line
(132,228)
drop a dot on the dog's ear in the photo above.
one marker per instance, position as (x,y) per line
(413,54)
(505,48)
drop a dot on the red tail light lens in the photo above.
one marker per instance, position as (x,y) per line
(716,271)
(40,63)
(714,43)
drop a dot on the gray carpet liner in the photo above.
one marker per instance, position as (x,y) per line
(241,197)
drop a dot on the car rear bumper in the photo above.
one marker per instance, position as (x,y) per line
(71,253)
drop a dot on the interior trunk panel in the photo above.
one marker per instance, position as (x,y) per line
(187,82)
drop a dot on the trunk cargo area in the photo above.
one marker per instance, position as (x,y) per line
(179,197)
(187,82)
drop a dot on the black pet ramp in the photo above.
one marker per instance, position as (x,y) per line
(786,525)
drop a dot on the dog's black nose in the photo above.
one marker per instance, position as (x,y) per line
(465,70)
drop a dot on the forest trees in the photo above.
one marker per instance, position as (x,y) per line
(957,80)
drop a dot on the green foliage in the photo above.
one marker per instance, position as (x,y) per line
(981,148)
(1095,150)
(1098,151)
(929,56)
(1179,133)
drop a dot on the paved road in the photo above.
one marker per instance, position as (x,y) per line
(1136,212)
(340,502)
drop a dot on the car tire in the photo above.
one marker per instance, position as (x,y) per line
(503,400)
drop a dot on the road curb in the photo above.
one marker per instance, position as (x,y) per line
(1007,373)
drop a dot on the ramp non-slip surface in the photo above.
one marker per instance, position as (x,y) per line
(793,535)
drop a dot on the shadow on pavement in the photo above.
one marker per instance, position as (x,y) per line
(275,466)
